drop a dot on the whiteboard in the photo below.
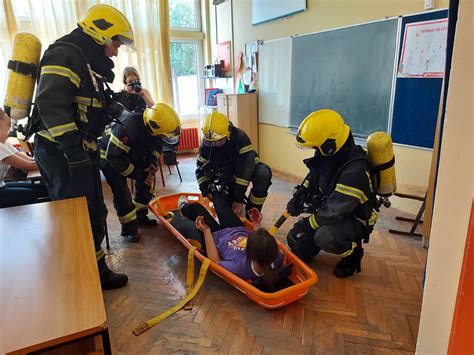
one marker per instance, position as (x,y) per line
(267,10)
(274,63)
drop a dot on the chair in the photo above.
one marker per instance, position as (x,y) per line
(412,192)
(169,156)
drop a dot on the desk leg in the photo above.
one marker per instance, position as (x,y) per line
(106,341)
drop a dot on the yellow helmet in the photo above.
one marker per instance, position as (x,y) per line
(323,130)
(162,119)
(105,23)
(215,127)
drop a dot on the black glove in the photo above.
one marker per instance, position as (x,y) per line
(301,228)
(296,205)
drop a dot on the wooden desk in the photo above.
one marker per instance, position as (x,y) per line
(49,283)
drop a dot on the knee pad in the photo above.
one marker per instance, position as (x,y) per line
(302,246)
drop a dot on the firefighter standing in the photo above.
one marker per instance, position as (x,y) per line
(339,191)
(227,162)
(71,112)
(131,150)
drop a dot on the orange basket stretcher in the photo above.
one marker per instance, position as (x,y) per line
(302,276)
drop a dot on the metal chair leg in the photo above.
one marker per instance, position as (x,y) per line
(107,242)
(180,178)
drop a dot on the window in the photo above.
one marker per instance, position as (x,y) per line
(185,15)
(186,67)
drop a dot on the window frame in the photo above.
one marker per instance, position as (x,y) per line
(200,74)
(197,18)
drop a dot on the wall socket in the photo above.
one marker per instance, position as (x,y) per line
(429,4)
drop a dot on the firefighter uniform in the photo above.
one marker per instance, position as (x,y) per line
(234,165)
(71,113)
(127,152)
(344,213)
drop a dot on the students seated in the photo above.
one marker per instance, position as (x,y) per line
(248,254)
(22,192)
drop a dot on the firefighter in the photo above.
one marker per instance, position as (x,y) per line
(338,191)
(71,112)
(228,163)
(131,150)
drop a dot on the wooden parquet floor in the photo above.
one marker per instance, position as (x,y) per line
(376,311)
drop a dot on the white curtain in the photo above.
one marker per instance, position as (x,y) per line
(51,19)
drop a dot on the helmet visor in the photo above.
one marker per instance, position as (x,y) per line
(127,42)
(172,137)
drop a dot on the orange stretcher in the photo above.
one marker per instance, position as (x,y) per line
(301,276)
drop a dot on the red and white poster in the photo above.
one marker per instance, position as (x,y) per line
(424,50)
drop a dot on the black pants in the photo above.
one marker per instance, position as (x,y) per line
(62,183)
(127,210)
(22,193)
(334,238)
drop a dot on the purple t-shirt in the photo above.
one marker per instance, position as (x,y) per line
(231,244)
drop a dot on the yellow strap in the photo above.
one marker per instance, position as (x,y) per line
(190,278)
(154,321)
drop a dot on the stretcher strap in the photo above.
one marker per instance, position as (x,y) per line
(278,223)
(154,321)
(190,278)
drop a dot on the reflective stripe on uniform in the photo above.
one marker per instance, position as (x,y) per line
(349,252)
(202,179)
(57,131)
(373,218)
(312,222)
(201,159)
(99,254)
(103,154)
(370,181)
(140,206)
(63,71)
(128,171)
(246,149)
(257,200)
(88,101)
(352,191)
(306,183)
(156,154)
(45,134)
(257,160)
(129,217)
(242,182)
(118,143)
(83,113)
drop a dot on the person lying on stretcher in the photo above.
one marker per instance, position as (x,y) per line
(251,255)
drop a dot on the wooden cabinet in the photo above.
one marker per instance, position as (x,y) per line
(242,112)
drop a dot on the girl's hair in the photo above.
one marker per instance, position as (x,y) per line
(129,71)
(263,248)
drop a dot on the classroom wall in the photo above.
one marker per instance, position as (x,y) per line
(454,194)
(275,144)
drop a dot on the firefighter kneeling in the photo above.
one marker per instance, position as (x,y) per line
(131,150)
(227,164)
(337,192)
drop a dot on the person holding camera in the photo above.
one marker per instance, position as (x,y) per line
(134,97)
(73,106)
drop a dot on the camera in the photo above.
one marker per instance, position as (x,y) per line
(136,86)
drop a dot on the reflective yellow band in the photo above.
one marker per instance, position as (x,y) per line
(47,135)
(117,142)
(128,171)
(312,222)
(352,191)
(201,159)
(108,131)
(129,217)
(370,181)
(373,218)
(257,200)
(63,71)
(257,160)
(102,154)
(156,154)
(202,179)
(57,131)
(99,254)
(306,183)
(242,182)
(88,101)
(349,252)
(246,149)
(83,113)
(140,206)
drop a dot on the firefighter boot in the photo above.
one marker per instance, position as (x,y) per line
(350,264)
(144,220)
(109,279)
